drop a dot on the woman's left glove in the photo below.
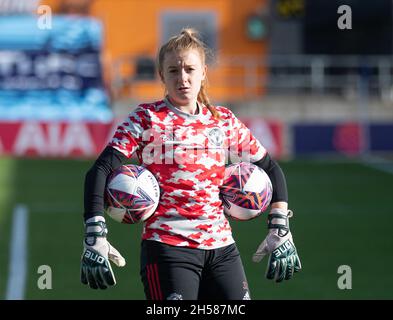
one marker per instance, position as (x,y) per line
(278,244)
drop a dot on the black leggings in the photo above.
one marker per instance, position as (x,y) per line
(181,273)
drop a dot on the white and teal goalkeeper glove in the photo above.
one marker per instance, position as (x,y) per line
(96,270)
(278,244)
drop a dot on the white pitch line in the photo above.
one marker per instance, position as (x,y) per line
(377,163)
(18,251)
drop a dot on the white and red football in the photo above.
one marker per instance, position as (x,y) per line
(132,194)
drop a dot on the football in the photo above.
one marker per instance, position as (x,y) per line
(131,194)
(246,191)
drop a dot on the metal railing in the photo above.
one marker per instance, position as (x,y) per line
(250,77)
(329,74)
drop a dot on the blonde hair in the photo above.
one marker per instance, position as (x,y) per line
(188,39)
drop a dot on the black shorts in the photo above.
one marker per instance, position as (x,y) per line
(181,273)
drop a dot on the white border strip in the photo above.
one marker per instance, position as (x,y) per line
(18,254)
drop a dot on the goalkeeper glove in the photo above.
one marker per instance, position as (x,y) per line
(278,244)
(96,270)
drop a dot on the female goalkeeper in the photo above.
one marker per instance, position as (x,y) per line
(188,251)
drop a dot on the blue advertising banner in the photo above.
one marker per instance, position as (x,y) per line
(346,138)
(51,74)
(381,137)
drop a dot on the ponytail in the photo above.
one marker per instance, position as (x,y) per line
(203,98)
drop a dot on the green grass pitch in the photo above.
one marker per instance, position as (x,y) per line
(342,216)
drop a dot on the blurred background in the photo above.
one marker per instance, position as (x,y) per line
(310,78)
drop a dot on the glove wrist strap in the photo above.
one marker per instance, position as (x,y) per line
(279,219)
(94,230)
